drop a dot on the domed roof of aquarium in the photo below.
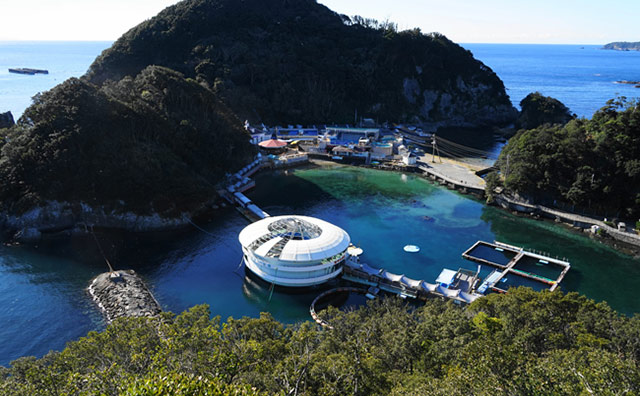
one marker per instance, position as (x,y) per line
(294,238)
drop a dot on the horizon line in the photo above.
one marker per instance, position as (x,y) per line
(2,40)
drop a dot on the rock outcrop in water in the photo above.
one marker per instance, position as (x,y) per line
(123,293)
(539,110)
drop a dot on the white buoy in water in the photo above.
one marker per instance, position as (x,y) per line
(411,249)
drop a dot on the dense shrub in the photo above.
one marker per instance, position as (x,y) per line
(523,342)
(592,164)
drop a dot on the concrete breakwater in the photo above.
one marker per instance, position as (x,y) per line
(123,293)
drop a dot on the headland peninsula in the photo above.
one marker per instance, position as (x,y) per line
(623,46)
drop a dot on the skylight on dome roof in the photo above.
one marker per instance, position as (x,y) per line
(294,228)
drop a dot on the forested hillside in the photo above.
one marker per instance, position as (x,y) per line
(156,143)
(593,164)
(521,343)
(623,46)
(280,61)
(156,122)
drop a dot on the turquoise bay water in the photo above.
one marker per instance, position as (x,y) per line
(581,77)
(43,303)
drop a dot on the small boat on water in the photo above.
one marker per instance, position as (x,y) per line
(26,70)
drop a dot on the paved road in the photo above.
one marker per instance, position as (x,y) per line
(457,172)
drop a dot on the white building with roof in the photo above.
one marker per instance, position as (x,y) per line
(294,251)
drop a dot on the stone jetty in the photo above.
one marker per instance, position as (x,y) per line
(123,293)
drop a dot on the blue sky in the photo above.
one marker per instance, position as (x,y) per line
(465,21)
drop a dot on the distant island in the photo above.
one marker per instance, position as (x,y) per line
(623,46)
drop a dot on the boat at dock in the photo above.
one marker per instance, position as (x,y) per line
(29,71)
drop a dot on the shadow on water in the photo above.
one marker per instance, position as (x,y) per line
(284,188)
(278,300)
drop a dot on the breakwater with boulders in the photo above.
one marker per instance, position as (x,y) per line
(123,293)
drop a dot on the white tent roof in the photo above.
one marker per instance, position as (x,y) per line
(447,276)
(294,238)
(390,276)
(369,270)
(411,282)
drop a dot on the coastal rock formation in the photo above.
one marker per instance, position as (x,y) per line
(78,218)
(634,83)
(123,293)
(539,110)
(6,120)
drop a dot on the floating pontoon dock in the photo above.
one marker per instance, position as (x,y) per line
(458,287)
(513,264)
(515,261)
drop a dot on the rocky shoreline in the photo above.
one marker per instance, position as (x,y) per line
(66,219)
(123,293)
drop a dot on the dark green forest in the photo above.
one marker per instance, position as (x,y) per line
(593,164)
(521,343)
(537,110)
(154,143)
(280,61)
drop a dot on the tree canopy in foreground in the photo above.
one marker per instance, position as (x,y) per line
(524,342)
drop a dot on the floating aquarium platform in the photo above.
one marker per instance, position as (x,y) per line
(518,266)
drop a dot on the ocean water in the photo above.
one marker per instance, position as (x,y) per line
(43,300)
(63,60)
(583,77)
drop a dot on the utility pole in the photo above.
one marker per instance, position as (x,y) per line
(434,148)
(506,173)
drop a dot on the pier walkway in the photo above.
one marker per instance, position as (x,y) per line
(575,219)
(240,182)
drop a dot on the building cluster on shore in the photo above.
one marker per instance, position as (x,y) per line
(366,143)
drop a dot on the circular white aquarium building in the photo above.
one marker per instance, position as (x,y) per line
(294,251)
